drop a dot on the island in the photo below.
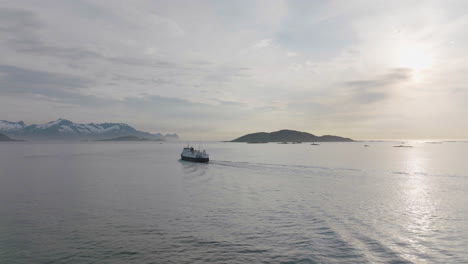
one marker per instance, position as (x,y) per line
(129,138)
(5,138)
(286,135)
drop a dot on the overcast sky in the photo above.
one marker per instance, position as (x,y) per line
(215,70)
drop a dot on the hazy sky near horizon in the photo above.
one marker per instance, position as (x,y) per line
(215,70)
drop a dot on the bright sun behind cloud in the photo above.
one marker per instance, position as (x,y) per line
(415,57)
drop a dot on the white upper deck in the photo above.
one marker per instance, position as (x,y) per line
(193,153)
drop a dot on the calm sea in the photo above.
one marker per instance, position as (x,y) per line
(253,203)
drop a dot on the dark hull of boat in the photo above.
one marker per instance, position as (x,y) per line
(194,159)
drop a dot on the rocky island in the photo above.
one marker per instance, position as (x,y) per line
(286,135)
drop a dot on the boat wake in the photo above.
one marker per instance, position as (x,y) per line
(253,165)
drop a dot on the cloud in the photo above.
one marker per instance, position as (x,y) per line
(249,62)
(181,109)
(65,88)
(16,80)
(322,32)
(291,54)
(262,44)
(18,21)
(22,31)
(47,87)
(377,89)
(19,29)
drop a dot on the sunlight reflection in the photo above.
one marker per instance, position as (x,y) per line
(418,203)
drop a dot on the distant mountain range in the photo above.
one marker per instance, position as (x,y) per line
(289,136)
(63,129)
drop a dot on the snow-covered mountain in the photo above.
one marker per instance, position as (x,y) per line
(65,129)
(7,126)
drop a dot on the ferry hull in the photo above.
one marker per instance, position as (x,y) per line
(194,159)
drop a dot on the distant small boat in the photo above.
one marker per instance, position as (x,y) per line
(283,142)
(315,144)
(191,154)
(366,146)
(402,146)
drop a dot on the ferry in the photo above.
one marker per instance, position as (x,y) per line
(191,154)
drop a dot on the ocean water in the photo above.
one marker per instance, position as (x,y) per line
(253,203)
